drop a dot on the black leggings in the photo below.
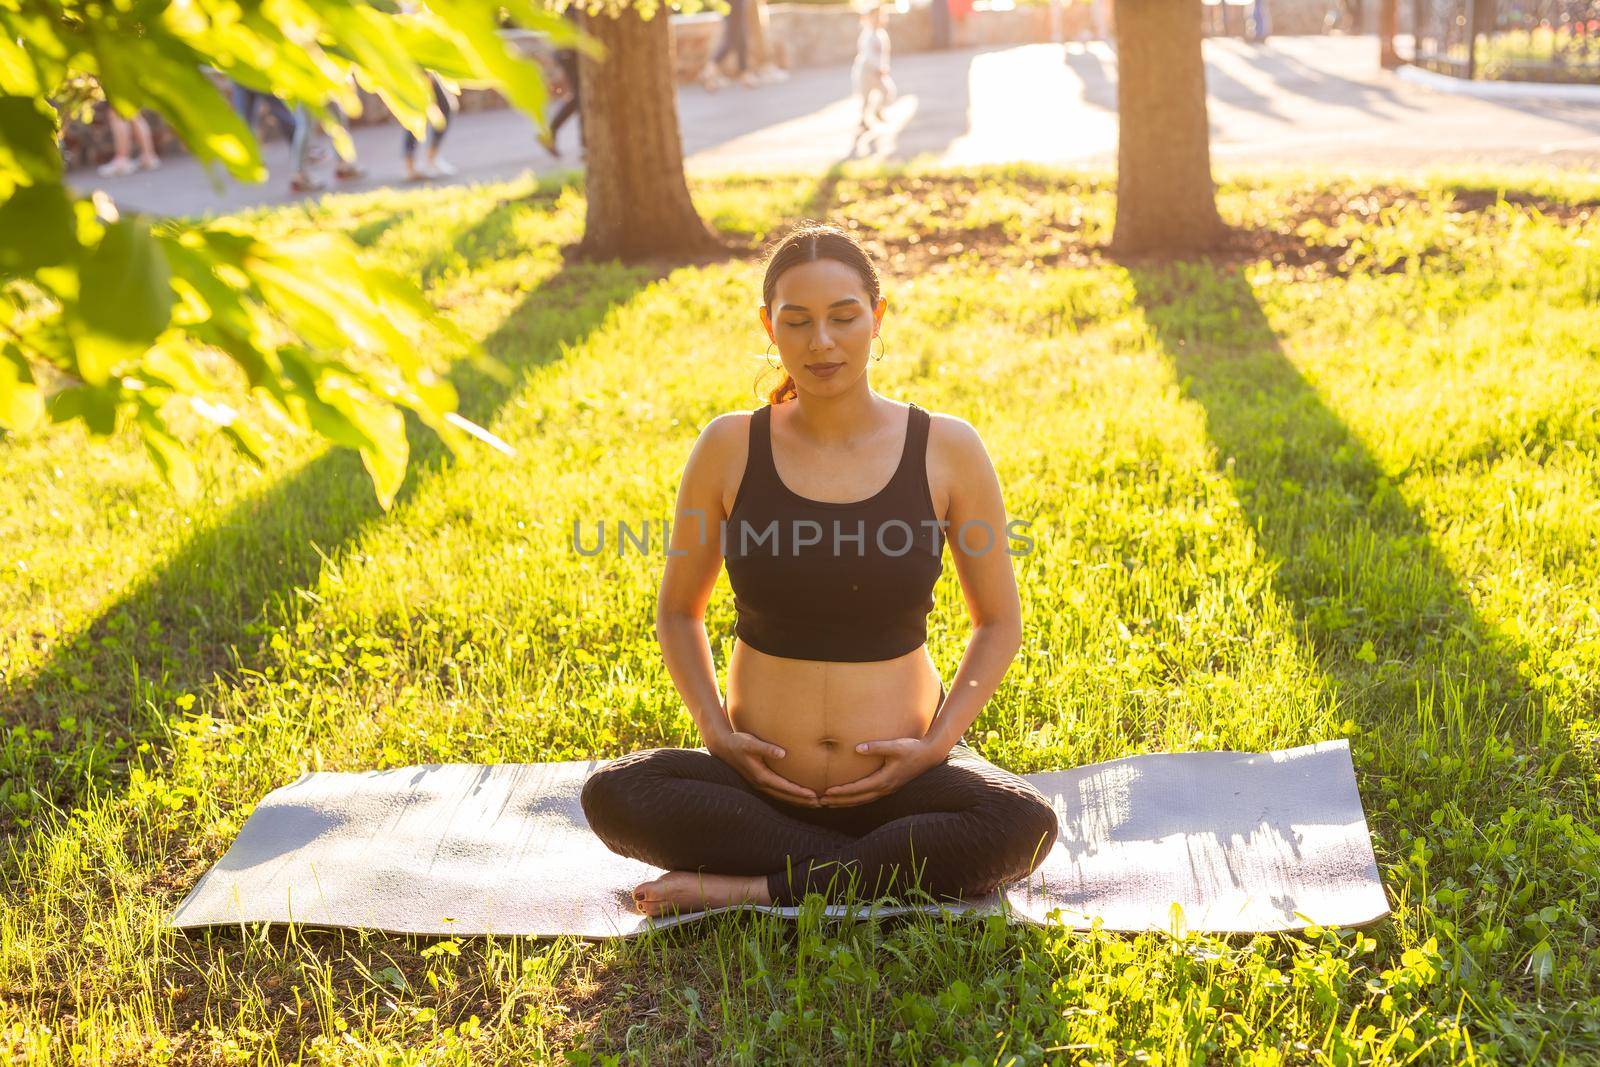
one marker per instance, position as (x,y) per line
(441,99)
(569,66)
(959,829)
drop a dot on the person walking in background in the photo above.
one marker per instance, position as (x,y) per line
(763,57)
(960,11)
(434,165)
(736,40)
(301,152)
(870,72)
(1260,22)
(247,102)
(296,126)
(123,132)
(567,59)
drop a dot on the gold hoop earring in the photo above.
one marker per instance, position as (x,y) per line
(879,356)
(768,356)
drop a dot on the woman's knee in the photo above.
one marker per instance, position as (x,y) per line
(611,792)
(634,787)
(1031,827)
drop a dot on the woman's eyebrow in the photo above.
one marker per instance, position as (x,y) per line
(836,303)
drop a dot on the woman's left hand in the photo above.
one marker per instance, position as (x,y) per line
(903,759)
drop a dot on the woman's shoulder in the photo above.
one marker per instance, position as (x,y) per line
(717,460)
(947,426)
(726,433)
(725,440)
(954,441)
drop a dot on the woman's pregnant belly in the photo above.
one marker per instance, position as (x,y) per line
(819,711)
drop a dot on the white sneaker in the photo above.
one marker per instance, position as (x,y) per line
(711,78)
(773,74)
(118,168)
(443,168)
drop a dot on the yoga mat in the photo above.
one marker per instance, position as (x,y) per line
(1238,841)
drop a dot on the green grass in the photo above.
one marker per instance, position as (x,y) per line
(1343,481)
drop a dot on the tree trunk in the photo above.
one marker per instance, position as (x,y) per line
(1166,200)
(1388,26)
(638,198)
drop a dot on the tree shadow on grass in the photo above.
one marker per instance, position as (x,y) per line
(205,610)
(1350,556)
(1434,688)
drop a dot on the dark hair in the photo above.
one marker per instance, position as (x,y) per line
(808,243)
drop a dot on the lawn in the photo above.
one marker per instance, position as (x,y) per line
(1340,480)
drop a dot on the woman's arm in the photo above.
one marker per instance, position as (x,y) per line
(984,569)
(694,558)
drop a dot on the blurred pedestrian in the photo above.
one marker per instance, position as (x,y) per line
(734,39)
(1260,22)
(870,72)
(123,132)
(434,165)
(302,153)
(567,59)
(247,102)
(763,56)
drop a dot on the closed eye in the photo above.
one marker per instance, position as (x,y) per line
(807,322)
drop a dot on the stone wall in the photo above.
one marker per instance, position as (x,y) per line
(814,35)
(1292,18)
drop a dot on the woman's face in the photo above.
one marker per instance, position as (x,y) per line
(823,324)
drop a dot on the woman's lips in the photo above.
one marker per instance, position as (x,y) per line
(823,370)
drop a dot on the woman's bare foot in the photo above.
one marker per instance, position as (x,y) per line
(686,891)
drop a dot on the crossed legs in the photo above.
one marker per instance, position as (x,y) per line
(955,831)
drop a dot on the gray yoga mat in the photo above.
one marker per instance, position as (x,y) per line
(1238,841)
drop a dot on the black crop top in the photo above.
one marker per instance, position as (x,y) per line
(845,582)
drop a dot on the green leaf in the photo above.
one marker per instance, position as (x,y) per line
(344,412)
(38,223)
(33,55)
(171,455)
(371,40)
(96,405)
(387,462)
(306,399)
(125,299)
(171,363)
(1542,961)
(249,443)
(28,152)
(162,73)
(21,406)
(517,78)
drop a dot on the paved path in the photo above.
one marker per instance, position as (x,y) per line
(1293,101)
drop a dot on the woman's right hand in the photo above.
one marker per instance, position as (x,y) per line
(748,754)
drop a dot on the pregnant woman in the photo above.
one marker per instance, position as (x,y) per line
(838,764)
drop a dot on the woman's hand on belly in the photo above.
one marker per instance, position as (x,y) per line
(903,758)
(749,755)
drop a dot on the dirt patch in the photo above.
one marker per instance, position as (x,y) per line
(1564,211)
(1068,242)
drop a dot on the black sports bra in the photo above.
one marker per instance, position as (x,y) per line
(845,582)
